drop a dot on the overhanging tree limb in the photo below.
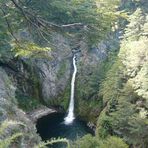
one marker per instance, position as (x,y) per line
(40,21)
(8,25)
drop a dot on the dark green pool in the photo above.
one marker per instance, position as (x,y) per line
(53,126)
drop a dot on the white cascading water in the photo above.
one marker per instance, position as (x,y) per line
(70,116)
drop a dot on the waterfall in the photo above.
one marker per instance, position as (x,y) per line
(70,116)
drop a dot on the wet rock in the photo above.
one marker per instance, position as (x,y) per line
(91,126)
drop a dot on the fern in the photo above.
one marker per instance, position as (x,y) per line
(4,143)
(53,141)
(8,123)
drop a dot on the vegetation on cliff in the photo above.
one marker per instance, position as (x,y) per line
(88,18)
(124,90)
(115,95)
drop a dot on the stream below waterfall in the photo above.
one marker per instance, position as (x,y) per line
(53,126)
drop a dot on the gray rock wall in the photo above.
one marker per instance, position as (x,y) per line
(54,73)
(10,112)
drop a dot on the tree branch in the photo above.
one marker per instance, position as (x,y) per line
(40,21)
(41,25)
(8,25)
(73,25)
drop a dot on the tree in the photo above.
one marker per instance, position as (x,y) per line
(134,28)
(113,142)
(126,86)
(8,140)
(84,18)
(89,141)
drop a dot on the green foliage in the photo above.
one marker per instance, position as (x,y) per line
(134,28)
(10,22)
(53,141)
(28,49)
(62,100)
(12,34)
(134,53)
(88,105)
(104,125)
(64,97)
(6,124)
(113,142)
(136,65)
(89,109)
(62,69)
(8,140)
(109,88)
(96,16)
(26,23)
(28,104)
(89,141)
(124,91)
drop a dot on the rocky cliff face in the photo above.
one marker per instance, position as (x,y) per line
(10,112)
(54,74)
(43,78)
(27,83)
(47,79)
(91,71)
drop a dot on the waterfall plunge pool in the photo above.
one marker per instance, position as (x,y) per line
(57,125)
(52,126)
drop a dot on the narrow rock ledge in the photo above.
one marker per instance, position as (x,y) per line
(40,112)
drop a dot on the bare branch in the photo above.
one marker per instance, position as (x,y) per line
(41,22)
(42,26)
(73,25)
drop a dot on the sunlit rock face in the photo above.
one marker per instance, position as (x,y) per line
(10,112)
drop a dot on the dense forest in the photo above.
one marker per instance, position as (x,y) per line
(38,39)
